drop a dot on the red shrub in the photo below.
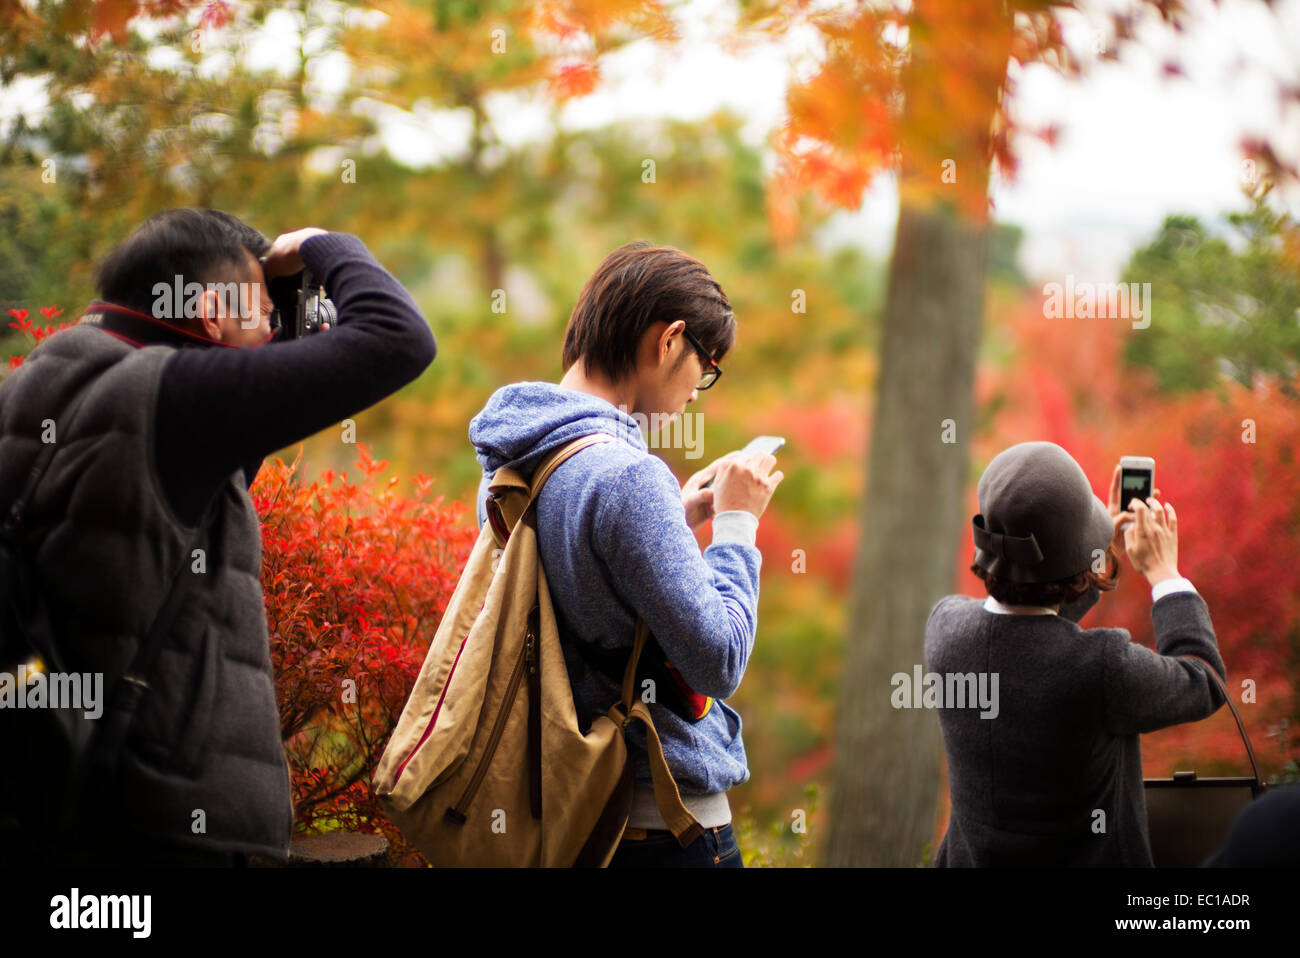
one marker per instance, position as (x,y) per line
(356,578)
(29,328)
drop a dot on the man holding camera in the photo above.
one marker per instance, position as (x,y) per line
(162,411)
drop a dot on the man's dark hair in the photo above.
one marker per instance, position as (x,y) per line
(199,245)
(634,287)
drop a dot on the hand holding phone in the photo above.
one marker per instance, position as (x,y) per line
(768,445)
(743,480)
(1152,541)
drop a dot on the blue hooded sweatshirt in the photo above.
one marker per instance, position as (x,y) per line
(614,544)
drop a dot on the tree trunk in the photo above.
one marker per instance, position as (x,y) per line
(887,773)
(887,760)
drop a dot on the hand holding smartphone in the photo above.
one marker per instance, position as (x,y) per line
(763,444)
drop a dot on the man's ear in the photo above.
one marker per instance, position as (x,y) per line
(209,317)
(661,346)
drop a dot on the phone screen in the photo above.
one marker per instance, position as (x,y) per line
(1134,483)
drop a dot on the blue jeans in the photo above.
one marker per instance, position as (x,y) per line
(716,848)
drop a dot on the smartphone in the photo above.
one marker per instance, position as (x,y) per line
(1137,479)
(764,444)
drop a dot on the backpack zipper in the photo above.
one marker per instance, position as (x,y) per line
(534,721)
(456,814)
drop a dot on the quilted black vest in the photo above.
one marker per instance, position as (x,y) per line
(203,764)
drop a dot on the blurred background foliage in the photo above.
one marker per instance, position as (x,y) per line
(174,113)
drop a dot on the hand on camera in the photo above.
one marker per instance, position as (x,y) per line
(282,258)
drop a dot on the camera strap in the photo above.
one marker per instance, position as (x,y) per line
(140,329)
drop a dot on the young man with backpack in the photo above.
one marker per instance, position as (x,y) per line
(615,539)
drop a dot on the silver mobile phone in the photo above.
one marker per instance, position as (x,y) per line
(1137,479)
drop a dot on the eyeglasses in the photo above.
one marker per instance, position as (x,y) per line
(712,371)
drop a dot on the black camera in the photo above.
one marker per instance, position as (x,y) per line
(301,306)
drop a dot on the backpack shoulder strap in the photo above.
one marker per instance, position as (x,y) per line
(512,495)
(552,463)
(684,826)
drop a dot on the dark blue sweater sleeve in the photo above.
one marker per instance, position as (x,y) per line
(222,409)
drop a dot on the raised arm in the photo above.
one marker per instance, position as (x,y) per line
(1146,690)
(220,409)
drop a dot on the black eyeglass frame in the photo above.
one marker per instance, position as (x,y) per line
(715,370)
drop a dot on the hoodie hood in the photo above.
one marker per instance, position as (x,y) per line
(523,422)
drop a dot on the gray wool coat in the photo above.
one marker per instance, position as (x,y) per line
(1056,777)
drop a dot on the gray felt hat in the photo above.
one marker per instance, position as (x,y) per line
(1039,520)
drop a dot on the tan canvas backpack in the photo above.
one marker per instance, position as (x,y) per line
(487,765)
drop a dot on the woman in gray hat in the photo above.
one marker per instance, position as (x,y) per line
(1052,772)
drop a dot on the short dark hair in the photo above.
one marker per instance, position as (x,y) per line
(1063,591)
(200,245)
(636,286)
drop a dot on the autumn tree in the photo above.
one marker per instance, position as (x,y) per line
(1228,304)
(921,89)
(172,103)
